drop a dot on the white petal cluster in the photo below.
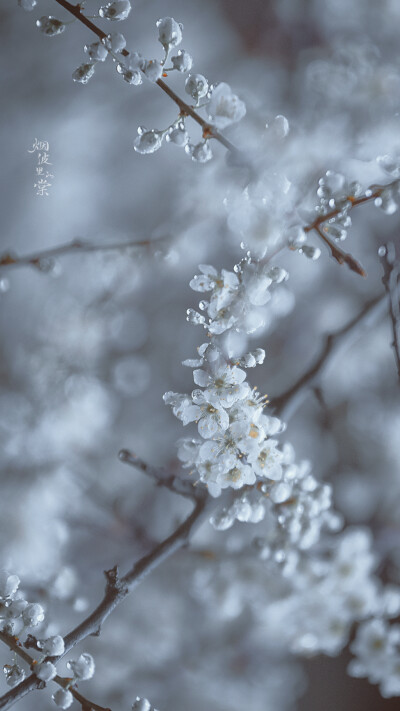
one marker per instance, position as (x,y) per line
(131,68)
(114,42)
(52,646)
(45,671)
(169,32)
(16,614)
(329,592)
(97,51)
(183,61)
(233,295)
(224,107)
(239,444)
(82,668)
(63,698)
(377,654)
(116,10)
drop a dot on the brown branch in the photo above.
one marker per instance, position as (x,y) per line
(340,255)
(183,487)
(38,259)
(117,590)
(288,402)
(185,109)
(7,700)
(390,279)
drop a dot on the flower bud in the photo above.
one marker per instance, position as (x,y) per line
(196,85)
(115,11)
(50,26)
(169,32)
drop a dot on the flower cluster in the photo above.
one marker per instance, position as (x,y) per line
(17,615)
(377,649)
(234,297)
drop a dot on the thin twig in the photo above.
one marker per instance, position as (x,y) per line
(118,588)
(161,476)
(373,192)
(340,255)
(286,404)
(14,644)
(39,259)
(390,279)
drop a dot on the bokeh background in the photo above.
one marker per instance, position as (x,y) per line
(91,342)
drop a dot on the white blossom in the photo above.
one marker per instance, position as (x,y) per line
(33,614)
(63,698)
(152,69)
(224,107)
(52,646)
(114,42)
(83,668)
(169,32)
(183,61)
(45,671)
(116,10)
(148,141)
(96,51)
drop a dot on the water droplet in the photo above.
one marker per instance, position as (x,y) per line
(382,251)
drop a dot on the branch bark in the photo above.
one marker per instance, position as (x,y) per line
(183,487)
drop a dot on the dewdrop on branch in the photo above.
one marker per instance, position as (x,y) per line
(115,11)
(196,85)
(148,141)
(14,674)
(83,73)
(50,26)
(178,135)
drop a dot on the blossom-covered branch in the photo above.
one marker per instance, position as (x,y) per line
(209,131)
(65,683)
(116,590)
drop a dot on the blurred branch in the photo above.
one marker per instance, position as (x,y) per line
(117,590)
(390,279)
(42,260)
(10,698)
(184,108)
(286,404)
(161,477)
